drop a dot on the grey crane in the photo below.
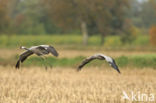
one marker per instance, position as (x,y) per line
(99,56)
(39,50)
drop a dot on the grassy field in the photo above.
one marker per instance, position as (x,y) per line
(58,85)
(96,83)
(74,41)
(72,58)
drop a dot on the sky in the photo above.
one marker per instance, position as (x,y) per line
(142,0)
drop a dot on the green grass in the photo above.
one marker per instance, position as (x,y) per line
(69,40)
(29,40)
(141,40)
(140,61)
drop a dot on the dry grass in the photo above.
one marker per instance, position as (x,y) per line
(92,85)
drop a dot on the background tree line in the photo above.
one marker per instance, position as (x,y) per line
(98,17)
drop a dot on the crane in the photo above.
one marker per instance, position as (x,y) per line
(39,50)
(99,56)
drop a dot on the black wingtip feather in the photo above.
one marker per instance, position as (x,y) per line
(17,64)
(53,51)
(56,54)
(79,69)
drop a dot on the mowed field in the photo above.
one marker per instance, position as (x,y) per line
(66,85)
(94,84)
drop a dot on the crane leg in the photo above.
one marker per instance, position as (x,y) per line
(48,63)
(44,63)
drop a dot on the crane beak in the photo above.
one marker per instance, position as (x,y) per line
(115,67)
(20,47)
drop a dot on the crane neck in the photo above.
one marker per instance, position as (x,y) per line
(22,47)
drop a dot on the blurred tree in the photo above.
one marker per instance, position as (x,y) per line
(119,12)
(143,14)
(30,17)
(148,13)
(109,16)
(69,15)
(12,8)
(82,14)
(153,35)
(4,18)
(134,13)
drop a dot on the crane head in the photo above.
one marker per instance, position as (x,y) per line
(113,64)
(21,47)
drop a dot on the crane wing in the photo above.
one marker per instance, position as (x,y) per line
(87,60)
(53,51)
(110,60)
(23,57)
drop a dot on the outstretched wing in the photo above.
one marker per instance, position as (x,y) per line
(53,51)
(87,60)
(110,60)
(23,57)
